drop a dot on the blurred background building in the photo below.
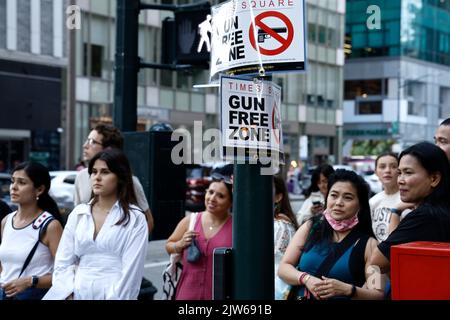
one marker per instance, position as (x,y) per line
(32,76)
(397,72)
(38,61)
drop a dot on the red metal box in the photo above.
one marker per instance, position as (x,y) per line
(420,271)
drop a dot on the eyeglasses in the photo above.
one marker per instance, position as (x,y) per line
(218,177)
(92,142)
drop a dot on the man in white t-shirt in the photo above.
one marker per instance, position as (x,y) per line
(101,137)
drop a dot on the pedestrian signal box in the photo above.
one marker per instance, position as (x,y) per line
(193,35)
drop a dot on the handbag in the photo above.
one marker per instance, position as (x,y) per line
(172,273)
(193,254)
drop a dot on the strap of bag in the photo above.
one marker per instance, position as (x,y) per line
(192,220)
(42,229)
(338,251)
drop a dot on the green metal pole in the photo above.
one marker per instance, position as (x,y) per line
(127,65)
(253,257)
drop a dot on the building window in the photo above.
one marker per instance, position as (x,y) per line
(364,88)
(368,107)
(95,57)
(2,23)
(312,32)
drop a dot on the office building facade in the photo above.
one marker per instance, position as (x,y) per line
(397,70)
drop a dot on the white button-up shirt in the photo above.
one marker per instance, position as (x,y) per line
(109,267)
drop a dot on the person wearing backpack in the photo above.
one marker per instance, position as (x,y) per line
(30,235)
(328,255)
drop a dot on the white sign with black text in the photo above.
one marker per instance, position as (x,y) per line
(248,35)
(251,114)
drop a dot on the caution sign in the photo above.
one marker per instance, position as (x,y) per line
(248,35)
(251,117)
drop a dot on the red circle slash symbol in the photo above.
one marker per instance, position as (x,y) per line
(276,123)
(285,42)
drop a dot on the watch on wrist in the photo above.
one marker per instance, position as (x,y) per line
(34,281)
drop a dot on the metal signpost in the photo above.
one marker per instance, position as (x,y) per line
(256,41)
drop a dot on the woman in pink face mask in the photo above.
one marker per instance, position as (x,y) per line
(328,255)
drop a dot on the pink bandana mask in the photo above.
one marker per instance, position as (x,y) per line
(343,225)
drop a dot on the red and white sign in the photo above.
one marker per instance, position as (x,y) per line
(250,113)
(267,31)
(250,35)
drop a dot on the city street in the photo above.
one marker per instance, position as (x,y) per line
(157,257)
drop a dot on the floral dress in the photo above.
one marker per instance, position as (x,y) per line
(283,233)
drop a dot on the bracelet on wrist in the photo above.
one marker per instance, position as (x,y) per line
(396,211)
(303,278)
(174,245)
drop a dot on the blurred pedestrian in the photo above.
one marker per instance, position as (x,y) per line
(103,247)
(328,255)
(423,180)
(102,137)
(386,207)
(314,203)
(31,233)
(80,165)
(212,230)
(442,137)
(4,209)
(284,227)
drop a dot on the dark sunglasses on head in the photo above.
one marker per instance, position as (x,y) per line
(218,177)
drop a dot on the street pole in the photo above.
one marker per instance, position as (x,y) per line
(70,100)
(127,65)
(253,244)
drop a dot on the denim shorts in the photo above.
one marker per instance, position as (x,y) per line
(27,294)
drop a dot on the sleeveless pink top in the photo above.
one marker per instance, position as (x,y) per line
(196,278)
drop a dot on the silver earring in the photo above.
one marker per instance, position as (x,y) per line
(37,198)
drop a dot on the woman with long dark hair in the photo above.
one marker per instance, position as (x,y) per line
(328,255)
(104,244)
(424,180)
(30,235)
(284,227)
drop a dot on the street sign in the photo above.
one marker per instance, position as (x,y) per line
(251,118)
(250,35)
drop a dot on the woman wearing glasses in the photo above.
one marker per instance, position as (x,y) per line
(212,230)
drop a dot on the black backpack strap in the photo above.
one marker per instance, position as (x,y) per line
(337,252)
(42,228)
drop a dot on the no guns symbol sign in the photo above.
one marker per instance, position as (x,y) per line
(275,30)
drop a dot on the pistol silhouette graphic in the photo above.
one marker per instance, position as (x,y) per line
(262,35)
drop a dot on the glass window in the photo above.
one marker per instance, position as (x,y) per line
(23,25)
(368,107)
(2,23)
(363,88)
(46,27)
(94,53)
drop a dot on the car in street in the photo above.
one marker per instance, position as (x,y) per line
(197,181)
(5,181)
(62,189)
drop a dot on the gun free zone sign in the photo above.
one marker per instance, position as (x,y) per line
(248,35)
(251,117)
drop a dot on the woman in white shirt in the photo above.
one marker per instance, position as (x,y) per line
(386,206)
(285,226)
(104,243)
(31,234)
